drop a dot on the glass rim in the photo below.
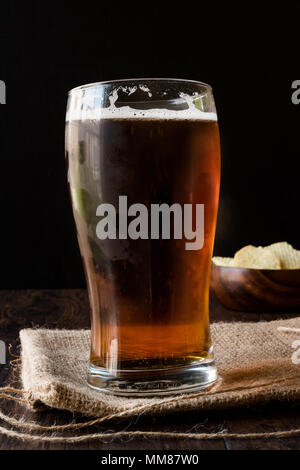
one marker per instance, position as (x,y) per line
(122,80)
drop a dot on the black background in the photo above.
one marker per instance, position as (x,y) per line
(249,56)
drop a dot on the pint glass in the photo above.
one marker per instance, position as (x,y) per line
(144,172)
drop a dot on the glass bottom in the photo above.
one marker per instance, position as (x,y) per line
(157,382)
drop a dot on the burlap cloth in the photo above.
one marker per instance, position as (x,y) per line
(253,359)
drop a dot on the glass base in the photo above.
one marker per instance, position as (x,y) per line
(155,382)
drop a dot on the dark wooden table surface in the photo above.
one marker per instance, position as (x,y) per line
(69,309)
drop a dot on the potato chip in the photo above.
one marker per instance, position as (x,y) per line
(289,257)
(256,258)
(219,261)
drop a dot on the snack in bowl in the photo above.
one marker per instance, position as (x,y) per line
(279,255)
(258,279)
(289,257)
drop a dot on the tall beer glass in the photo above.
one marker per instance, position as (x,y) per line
(144,172)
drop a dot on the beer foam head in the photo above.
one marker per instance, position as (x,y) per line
(82,106)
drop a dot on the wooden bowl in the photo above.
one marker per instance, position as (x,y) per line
(256,290)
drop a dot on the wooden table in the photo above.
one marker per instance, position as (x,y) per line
(69,309)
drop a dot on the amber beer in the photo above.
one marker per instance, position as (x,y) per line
(149,297)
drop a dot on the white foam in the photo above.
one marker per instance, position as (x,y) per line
(126,113)
(85,107)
